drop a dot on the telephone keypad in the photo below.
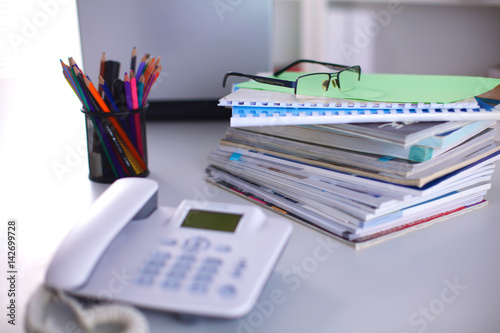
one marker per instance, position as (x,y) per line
(191,269)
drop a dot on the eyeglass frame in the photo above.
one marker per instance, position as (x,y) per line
(293,84)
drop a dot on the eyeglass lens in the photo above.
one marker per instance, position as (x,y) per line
(348,79)
(322,84)
(312,85)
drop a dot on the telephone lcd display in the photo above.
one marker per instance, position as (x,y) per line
(211,220)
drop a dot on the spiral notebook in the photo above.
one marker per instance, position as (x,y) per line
(400,98)
(269,108)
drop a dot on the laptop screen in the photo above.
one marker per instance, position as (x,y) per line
(198,41)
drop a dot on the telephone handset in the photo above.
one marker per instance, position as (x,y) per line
(201,258)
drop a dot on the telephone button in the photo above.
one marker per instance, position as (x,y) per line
(168,241)
(144,280)
(223,248)
(181,264)
(160,255)
(151,270)
(212,261)
(198,287)
(195,244)
(227,290)
(203,277)
(172,284)
(186,258)
(239,268)
(156,261)
(177,273)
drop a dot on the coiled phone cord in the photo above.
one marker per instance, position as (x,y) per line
(37,319)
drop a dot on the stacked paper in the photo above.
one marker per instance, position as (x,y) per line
(361,182)
(377,98)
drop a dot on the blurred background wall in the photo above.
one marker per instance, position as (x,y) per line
(460,37)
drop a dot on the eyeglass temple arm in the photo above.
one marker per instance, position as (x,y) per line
(261,79)
(327,64)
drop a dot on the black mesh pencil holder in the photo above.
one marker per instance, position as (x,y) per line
(116,144)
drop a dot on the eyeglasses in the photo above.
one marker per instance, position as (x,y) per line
(313,84)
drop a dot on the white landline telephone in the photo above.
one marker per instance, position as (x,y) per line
(201,258)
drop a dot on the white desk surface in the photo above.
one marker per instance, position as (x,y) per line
(444,278)
(403,285)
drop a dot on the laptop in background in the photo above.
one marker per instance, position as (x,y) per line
(198,41)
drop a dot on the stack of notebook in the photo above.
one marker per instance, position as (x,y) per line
(361,182)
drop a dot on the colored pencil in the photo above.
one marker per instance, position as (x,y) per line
(78,77)
(69,74)
(133,90)
(72,63)
(149,69)
(115,108)
(125,161)
(149,84)
(130,105)
(71,81)
(158,71)
(102,69)
(128,93)
(142,65)
(104,127)
(141,167)
(137,119)
(108,94)
(133,59)
(123,149)
(140,90)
